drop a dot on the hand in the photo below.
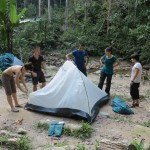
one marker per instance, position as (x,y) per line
(34,74)
(26,89)
(131,83)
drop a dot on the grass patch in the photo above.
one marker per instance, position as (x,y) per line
(140,132)
(147,124)
(60,144)
(22,143)
(147,93)
(121,119)
(42,126)
(81,147)
(83,133)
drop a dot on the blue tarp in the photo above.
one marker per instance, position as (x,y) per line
(119,106)
(6,60)
(55,128)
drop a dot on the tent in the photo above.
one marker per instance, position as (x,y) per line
(70,93)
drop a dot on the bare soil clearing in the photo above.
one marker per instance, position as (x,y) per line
(108,125)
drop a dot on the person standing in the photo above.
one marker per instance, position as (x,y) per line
(81,58)
(38,62)
(110,61)
(8,83)
(135,80)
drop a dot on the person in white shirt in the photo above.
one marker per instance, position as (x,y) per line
(135,79)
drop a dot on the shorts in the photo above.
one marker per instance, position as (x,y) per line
(8,84)
(83,70)
(40,78)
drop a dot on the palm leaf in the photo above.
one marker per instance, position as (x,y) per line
(21,13)
(13,14)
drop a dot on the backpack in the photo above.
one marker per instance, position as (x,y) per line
(6,61)
(119,106)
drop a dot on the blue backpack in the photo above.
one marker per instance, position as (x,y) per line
(6,61)
(119,106)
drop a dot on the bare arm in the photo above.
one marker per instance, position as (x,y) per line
(87,60)
(44,66)
(68,56)
(117,62)
(101,61)
(17,81)
(23,81)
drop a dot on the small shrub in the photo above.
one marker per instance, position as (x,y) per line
(83,133)
(42,126)
(139,146)
(24,143)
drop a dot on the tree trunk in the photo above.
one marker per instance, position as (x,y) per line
(60,3)
(49,10)
(67,15)
(85,10)
(74,10)
(39,8)
(108,16)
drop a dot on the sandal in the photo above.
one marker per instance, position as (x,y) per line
(14,110)
(134,105)
(19,106)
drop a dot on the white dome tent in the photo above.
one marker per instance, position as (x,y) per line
(69,94)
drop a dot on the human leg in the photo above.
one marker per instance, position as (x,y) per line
(42,79)
(14,95)
(43,84)
(108,83)
(34,87)
(83,70)
(102,79)
(134,92)
(9,86)
(10,102)
(35,82)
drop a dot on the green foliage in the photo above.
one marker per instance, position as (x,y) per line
(22,143)
(81,147)
(139,146)
(42,126)
(127,28)
(83,133)
(8,20)
(1,71)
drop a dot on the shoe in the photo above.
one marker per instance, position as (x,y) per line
(14,110)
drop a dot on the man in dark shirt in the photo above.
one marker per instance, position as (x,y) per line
(38,62)
(81,58)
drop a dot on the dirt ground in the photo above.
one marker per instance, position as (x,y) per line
(108,125)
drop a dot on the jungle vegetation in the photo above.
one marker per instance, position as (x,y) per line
(61,24)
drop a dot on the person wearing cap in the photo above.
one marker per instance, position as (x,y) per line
(135,79)
(108,61)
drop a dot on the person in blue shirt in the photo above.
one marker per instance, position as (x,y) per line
(109,62)
(81,58)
